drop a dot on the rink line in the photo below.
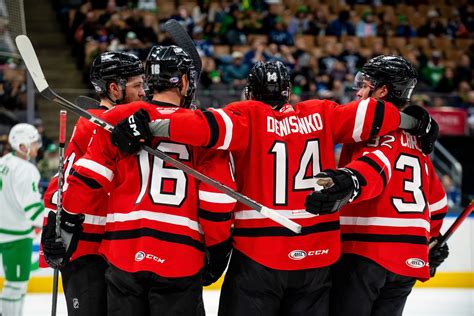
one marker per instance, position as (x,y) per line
(44,284)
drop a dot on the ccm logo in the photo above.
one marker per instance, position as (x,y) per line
(415,263)
(139,256)
(301,254)
(133,126)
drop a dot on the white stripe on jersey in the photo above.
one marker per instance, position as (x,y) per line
(96,167)
(252,214)
(360,118)
(155,216)
(228,128)
(385,161)
(215,197)
(438,205)
(385,221)
(88,219)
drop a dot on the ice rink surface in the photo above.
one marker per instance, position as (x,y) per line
(422,302)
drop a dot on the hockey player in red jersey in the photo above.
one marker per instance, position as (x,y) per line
(159,221)
(385,231)
(117,78)
(277,150)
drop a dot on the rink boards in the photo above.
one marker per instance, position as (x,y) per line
(456,272)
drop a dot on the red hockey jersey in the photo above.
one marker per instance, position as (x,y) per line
(93,227)
(392,221)
(158,218)
(276,155)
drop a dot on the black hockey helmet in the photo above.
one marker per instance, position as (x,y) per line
(164,67)
(395,72)
(114,67)
(269,82)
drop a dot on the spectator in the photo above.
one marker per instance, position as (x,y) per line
(452,192)
(456,28)
(257,53)
(209,74)
(433,27)
(341,25)
(279,35)
(48,165)
(447,83)
(464,70)
(403,28)
(366,26)
(434,69)
(326,63)
(45,140)
(351,57)
(235,73)
(299,23)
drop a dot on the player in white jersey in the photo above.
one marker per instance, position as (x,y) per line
(20,212)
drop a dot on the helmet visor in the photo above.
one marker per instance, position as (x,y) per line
(362,80)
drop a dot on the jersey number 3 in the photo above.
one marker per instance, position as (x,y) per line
(413,186)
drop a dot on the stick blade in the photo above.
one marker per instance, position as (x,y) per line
(31,61)
(179,35)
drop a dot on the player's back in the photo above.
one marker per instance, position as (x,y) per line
(394,228)
(285,149)
(152,215)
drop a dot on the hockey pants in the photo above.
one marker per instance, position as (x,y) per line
(252,289)
(364,288)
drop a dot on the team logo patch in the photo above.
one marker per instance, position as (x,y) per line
(139,256)
(297,254)
(174,79)
(75,303)
(415,263)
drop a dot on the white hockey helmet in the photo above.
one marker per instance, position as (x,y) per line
(25,134)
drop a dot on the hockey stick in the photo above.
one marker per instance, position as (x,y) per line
(62,142)
(31,61)
(464,214)
(87,102)
(181,38)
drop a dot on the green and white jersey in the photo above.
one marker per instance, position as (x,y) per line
(20,201)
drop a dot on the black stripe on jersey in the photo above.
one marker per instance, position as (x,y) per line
(377,168)
(214,217)
(407,239)
(378,118)
(91,183)
(437,217)
(91,237)
(281,231)
(153,233)
(214,128)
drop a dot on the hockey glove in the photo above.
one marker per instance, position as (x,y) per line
(58,249)
(217,257)
(427,129)
(437,255)
(132,132)
(341,187)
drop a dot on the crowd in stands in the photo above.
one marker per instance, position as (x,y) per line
(324,43)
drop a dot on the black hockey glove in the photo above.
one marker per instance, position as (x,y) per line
(217,257)
(427,129)
(132,132)
(341,186)
(437,255)
(58,249)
